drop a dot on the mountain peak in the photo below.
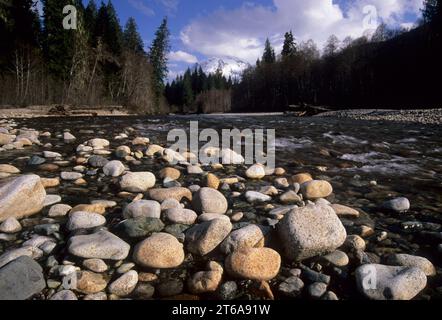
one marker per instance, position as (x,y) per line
(229,66)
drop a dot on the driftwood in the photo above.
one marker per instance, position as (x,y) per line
(306,110)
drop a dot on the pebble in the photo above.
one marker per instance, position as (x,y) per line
(291,287)
(311,231)
(98,208)
(122,151)
(344,211)
(301,178)
(114,168)
(71,176)
(379,282)
(141,226)
(59,210)
(160,251)
(84,220)
(171,173)
(256,171)
(317,290)
(13,254)
(64,295)
(399,205)
(212,216)
(205,237)
(7,168)
(137,181)
(257,197)
(125,284)
(227,290)
(205,281)
(290,197)
(246,237)
(68,137)
(208,200)
(51,199)
(212,181)
(254,263)
(354,243)
(98,143)
(90,282)
(181,216)
(95,265)
(99,296)
(316,189)
(336,258)
(100,245)
(10,225)
(142,208)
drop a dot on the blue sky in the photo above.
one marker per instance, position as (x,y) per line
(235,28)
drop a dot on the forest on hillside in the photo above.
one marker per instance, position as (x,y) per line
(99,63)
(103,63)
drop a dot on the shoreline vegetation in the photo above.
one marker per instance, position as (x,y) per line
(422,116)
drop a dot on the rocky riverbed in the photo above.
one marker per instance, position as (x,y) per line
(93,209)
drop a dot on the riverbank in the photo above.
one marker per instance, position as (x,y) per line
(60,111)
(429,116)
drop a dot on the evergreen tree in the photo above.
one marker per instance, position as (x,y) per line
(90,20)
(430,10)
(269,53)
(158,57)
(58,42)
(131,38)
(108,28)
(289,48)
(188,96)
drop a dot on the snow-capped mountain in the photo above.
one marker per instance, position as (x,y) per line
(232,67)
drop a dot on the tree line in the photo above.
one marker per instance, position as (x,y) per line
(390,69)
(98,63)
(196,91)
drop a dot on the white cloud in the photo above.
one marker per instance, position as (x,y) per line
(181,56)
(241,32)
(170,5)
(142,7)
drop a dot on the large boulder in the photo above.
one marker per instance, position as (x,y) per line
(311,231)
(379,282)
(407,260)
(21,197)
(21,279)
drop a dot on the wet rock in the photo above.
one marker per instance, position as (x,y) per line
(379,282)
(249,236)
(205,237)
(256,171)
(21,197)
(90,282)
(310,231)
(97,161)
(21,279)
(407,260)
(316,189)
(398,205)
(122,151)
(125,284)
(144,291)
(208,200)
(100,245)
(137,181)
(51,155)
(170,288)
(291,287)
(336,258)
(254,263)
(181,216)
(161,251)
(141,226)
(269,191)
(177,193)
(84,220)
(330,295)
(114,168)
(354,243)
(142,208)
(36,160)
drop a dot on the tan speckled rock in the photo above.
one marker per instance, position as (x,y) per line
(254,263)
(316,189)
(89,282)
(160,251)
